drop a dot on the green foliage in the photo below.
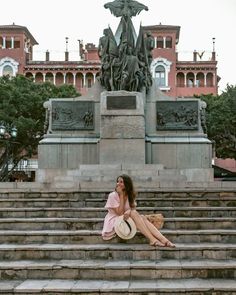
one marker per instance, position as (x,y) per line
(21,105)
(221,121)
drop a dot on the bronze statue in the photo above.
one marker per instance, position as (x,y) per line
(125,7)
(125,66)
(150,44)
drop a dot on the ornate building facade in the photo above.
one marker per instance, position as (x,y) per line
(177,78)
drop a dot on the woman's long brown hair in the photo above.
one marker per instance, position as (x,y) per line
(129,189)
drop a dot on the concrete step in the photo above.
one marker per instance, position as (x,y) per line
(169,202)
(115,287)
(94,237)
(101,212)
(120,251)
(185,194)
(48,221)
(117,270)
(40,203)
(80,208)
(100,202)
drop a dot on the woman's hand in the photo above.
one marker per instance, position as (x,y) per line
(127,214)
(119,190)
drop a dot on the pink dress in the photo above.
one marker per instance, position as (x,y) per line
(113,201)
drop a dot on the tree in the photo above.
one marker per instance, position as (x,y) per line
(221,121)
(21,105)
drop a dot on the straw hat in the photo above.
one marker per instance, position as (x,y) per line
(125,229)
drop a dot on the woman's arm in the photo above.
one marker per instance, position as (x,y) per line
(121,209)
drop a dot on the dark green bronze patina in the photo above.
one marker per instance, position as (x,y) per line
(125,62)
(177,115)
(124,102)
(72,115)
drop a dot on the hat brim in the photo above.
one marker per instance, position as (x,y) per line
(125,229)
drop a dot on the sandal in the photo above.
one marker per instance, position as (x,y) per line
(169,244)
(157,244)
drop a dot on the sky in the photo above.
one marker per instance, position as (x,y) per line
(51,21)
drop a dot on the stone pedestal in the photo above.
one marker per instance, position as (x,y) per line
(122,128)
(154,138)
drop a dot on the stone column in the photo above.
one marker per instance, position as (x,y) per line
(3,42)
(155,40)
(12,42)
(205,79)
(94,78)
(84,80)
(74,78)
(164,42)
(54,79)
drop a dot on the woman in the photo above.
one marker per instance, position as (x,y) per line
(122,202)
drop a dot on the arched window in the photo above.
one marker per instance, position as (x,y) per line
(168,42)
(160,76)
(209,80)
(49,77)
(160,42)
(190,80)
(7,70)
(200,80)
(180,80)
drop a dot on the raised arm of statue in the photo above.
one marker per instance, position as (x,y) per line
(125,7)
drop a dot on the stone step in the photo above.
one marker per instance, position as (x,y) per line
(56,220)
(101,212)
(94,236)
(100,202)
(120,251)
(185,194)
(41,202)
(168,202)
(91,223)
(148,177)
(117,270)
(115,287)
(168,208)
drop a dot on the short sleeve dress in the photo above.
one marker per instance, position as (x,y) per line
(113,201)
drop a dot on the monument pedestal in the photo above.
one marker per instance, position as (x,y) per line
(122,128)
(153,138)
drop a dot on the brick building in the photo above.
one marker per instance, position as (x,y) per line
(177,78)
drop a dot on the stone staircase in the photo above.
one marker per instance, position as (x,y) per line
(50,243)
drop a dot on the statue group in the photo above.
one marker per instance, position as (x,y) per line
(125,65)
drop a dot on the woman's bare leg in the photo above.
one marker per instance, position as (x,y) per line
(143,228)
(155,232)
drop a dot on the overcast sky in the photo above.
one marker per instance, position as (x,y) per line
(50,21)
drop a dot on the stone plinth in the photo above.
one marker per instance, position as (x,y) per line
(122,128)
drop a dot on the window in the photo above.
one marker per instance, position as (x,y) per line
(160,42)
(7,70)
(16,43)
(160,76)
(89,83)
(190,82)
(8,42)
(180,80)
(168,42)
